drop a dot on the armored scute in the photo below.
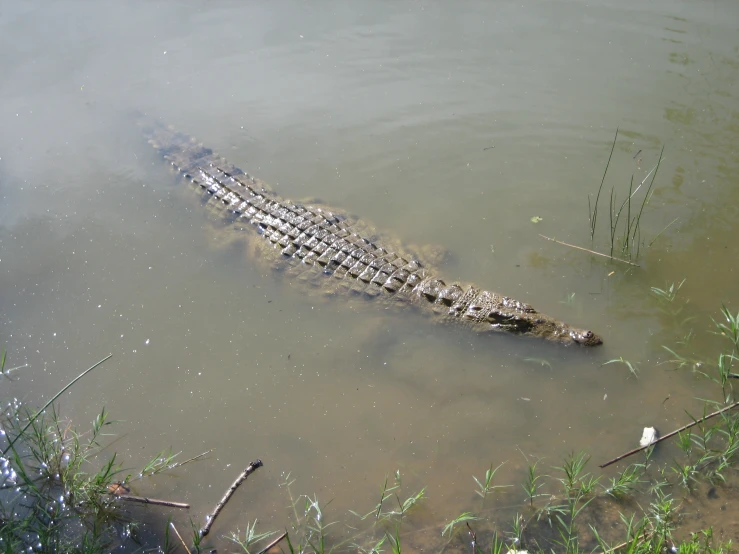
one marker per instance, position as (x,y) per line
(338,252)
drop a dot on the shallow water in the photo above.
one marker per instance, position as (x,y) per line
(441,125)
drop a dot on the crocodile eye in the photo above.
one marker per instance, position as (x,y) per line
(588,334)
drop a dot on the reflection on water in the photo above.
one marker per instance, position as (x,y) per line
(443,126)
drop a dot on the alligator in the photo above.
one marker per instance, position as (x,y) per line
(318,243)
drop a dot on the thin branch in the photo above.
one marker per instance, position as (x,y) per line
(273,543)
(590,251)
(672,434)
(251,468)
(53,398)
(153,501)
(180,537)
(179,464)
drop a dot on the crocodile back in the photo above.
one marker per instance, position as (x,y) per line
(320,244)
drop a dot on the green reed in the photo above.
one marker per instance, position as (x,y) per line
(464,517)
(250,537)
(626,481)
(593,211)
(730,329)
(486,486)
(631,367)
(624,218)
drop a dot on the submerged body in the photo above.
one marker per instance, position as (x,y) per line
(342,254)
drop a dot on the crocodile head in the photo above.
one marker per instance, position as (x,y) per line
(582,337)
(549,328)
(532,323)
(535,324)
(556,331)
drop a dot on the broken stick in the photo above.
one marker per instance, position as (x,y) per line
(251,468)
(588,250)
(273,543)
(180,537)
(154,501)
(672,434)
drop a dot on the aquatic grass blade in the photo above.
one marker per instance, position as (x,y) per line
(461,518)
(594,214)
(662,231)
(647,195)
(51,401)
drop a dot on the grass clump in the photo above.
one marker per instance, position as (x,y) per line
(624,217)
(486,486)
(59,491)
(51,500)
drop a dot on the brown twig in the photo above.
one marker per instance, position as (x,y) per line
(590,251)
(154,501)
(180,537)
(273,543)
(251,468)
(672,434)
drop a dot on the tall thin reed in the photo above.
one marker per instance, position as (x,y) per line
(53,398)
(594,213)
(647,196)
(629,234)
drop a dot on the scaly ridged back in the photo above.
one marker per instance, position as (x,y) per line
(333,245)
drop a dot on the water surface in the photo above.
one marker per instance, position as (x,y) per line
(441,124)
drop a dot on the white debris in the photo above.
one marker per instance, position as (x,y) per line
(648,436)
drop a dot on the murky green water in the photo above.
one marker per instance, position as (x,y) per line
(444,124)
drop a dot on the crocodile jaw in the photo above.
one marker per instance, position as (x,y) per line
(537,325)
(584,337)
(562,333)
